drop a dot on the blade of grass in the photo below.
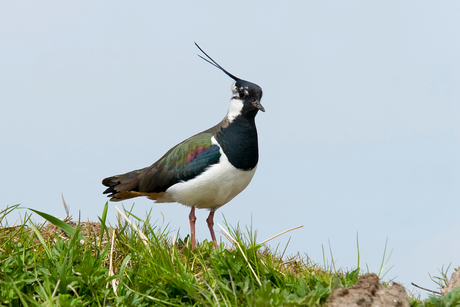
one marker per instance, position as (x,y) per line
(58,223)
(281,233)
(141,234)
(384,263)
(66,208)
(332,256)
(42,241)
(113,281)
(210,289)
(7,211)
(357,247)
(56,288)
(325,265)
(20,295)
(229,237)
(152,298)
(103,220)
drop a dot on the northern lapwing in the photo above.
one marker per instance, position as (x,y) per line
(206,170)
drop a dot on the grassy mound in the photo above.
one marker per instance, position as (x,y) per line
(92,264)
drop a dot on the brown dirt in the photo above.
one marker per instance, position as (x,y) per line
(89,230)
(452,283)
(368,292)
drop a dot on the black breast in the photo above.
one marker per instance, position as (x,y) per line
(239,143)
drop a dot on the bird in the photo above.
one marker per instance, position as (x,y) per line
(207,170)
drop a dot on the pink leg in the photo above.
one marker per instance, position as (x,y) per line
(210,221)
(192,219)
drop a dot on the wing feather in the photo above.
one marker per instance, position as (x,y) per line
(181,163)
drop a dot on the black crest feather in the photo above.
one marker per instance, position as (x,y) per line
(215,64)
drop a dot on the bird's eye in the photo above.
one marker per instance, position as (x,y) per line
(242,92)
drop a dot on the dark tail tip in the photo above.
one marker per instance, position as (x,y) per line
(111,183)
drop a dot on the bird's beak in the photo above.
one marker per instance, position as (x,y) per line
(258,105)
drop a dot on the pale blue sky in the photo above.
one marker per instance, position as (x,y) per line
(361,132)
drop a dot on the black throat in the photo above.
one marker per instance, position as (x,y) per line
(239,142)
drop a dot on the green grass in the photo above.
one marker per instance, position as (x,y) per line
(54,264)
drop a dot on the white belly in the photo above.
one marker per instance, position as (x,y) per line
(213,188)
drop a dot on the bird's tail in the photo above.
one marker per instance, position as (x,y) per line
(123,186)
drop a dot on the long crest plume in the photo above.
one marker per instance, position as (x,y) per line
(215,64)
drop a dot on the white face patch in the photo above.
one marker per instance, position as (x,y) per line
(234,110)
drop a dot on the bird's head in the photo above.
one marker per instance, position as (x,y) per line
(246,95)
(249,94)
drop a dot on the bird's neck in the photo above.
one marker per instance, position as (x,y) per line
(239,142)
(234,109)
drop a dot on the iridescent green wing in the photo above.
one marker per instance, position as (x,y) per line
(181,163)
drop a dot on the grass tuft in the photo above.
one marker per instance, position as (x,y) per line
(63,263)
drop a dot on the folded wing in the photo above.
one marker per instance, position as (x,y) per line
(181,163)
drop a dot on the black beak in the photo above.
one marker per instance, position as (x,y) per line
(258,105)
